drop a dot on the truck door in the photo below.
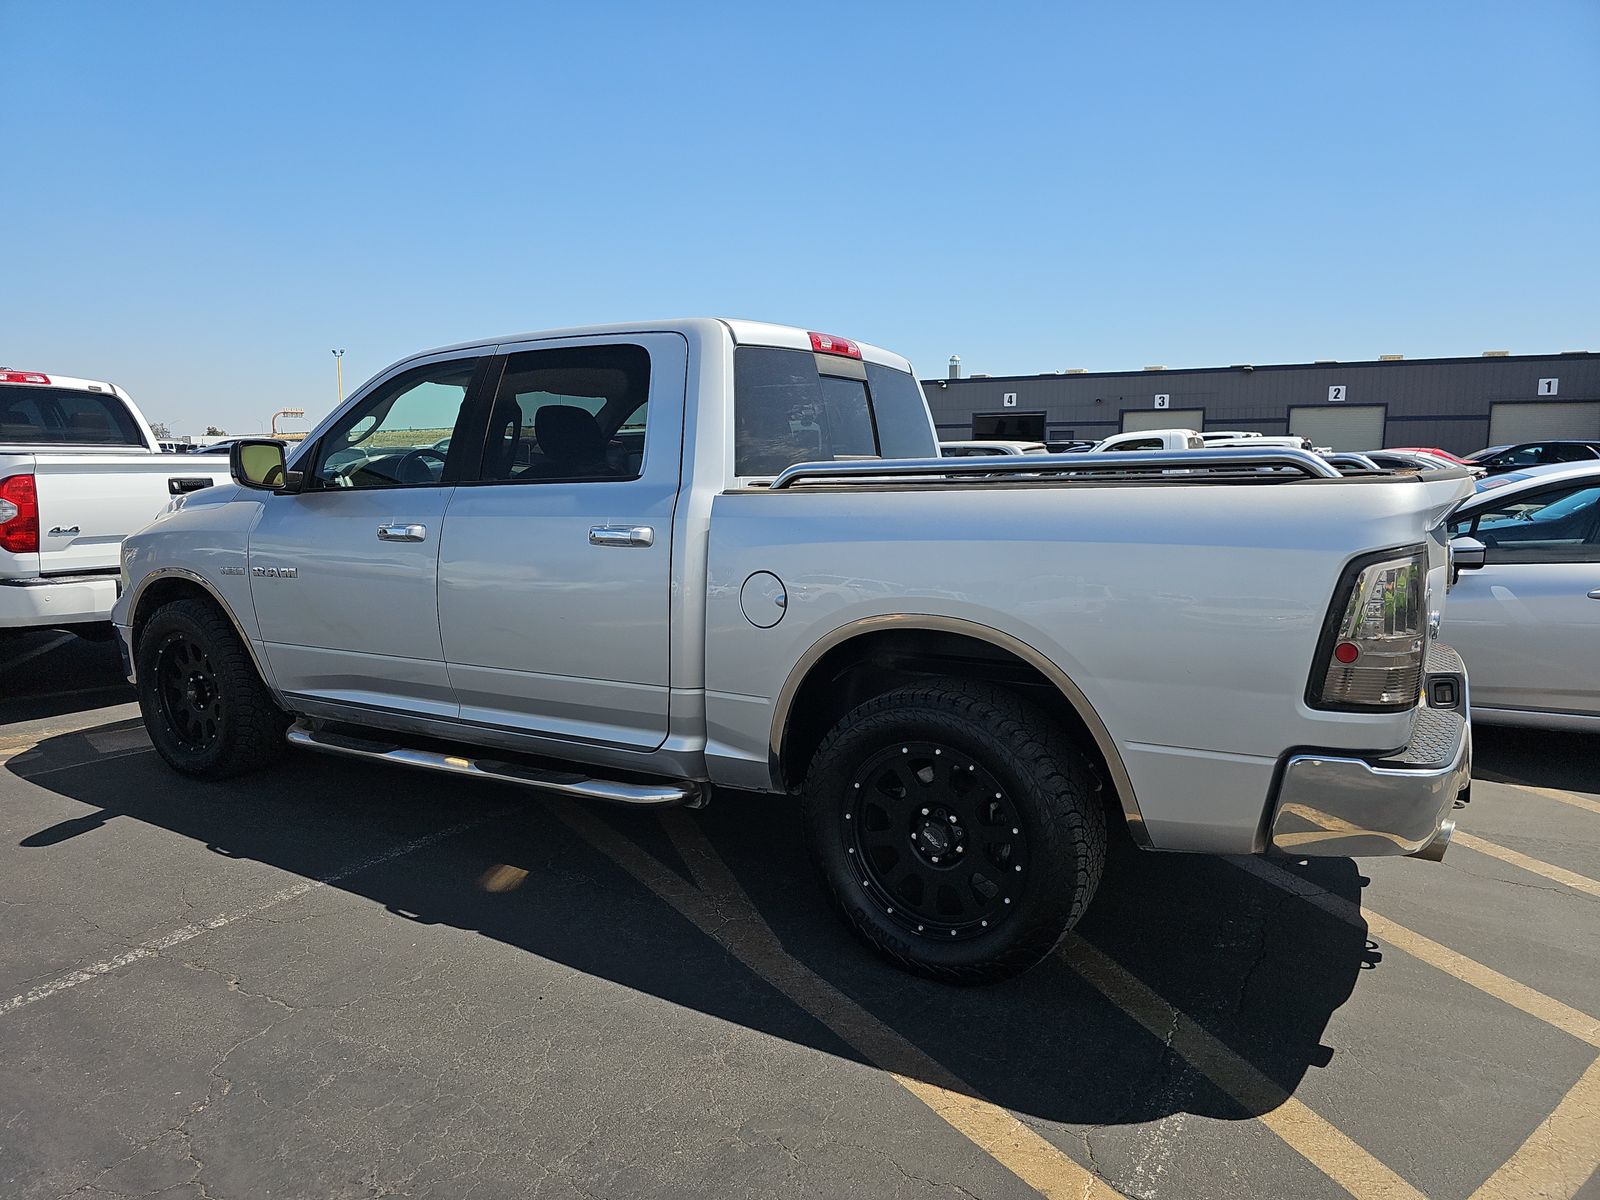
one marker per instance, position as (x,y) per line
(344,574)
(555,573)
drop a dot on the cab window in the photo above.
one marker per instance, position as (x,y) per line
(399,436)
(570,413)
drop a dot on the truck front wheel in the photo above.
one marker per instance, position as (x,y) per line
(956,829)
(206,710)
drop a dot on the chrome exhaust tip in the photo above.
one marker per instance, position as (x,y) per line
(1434,850)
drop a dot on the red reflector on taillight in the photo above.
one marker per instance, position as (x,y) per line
(824,343)
(1347,652)
(23,377)
(19,506)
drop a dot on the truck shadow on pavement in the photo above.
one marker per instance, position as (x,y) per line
(1255,968)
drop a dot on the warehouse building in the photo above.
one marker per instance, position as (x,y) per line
(1459,404)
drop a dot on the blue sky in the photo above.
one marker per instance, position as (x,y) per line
(202,200)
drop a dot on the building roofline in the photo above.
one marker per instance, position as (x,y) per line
(1570,356)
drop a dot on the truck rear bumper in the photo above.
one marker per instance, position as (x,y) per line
(1334,806)
(43,601)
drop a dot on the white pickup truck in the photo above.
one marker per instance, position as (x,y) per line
(636,563)
(79,470)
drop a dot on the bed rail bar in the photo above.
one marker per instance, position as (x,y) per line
(1132,463)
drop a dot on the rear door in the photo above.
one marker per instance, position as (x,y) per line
(1527,622)
(555,572)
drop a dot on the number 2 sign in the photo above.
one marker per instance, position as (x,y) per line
(1336,392)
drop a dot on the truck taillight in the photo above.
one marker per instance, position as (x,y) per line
(826,343)
(19,514)
(1373,649)
(23,377)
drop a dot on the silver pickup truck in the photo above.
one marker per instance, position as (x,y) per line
(637,563)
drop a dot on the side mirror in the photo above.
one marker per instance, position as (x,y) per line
(260,464)
(1466,554)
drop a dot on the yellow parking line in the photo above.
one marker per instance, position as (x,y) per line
(1561,875)
(1571,798)
(1486,979)
(721,910)
(1559,1156)
(1308,1134)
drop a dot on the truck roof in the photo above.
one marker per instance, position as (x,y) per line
(744,332)
(50,379)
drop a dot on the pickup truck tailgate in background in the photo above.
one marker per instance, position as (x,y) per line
(89,502)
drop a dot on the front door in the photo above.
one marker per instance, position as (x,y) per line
(555,575)
(344,574)
(1526,621)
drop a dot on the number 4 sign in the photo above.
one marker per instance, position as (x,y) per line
(1549,387)
(1336,392)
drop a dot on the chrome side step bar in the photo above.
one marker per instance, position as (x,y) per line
(561,783)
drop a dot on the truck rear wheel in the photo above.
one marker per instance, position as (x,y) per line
(957,831)
(206,710)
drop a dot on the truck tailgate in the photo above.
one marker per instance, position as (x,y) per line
(89,502)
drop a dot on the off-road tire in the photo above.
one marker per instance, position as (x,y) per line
(1049,789)
(248,730)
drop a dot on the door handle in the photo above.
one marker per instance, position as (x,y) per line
(1595,595)
(402,533)
(621,535)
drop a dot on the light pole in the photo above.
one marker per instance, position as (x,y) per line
(338,369)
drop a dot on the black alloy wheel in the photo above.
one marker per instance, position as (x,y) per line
(956,827)
(208,713)
(935,839)
(190,693)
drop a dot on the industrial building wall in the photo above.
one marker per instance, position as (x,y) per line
(1424,402)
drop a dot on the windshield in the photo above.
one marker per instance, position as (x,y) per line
(38,416)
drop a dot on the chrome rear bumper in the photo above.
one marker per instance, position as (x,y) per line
(1332,805)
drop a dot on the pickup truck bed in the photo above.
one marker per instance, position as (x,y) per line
(79,471)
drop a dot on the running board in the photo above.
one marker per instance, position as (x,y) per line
(544,779)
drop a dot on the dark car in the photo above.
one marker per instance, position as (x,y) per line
(1496,459)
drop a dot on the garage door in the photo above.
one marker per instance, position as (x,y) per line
(1138,419)
(1512,423)
(1342,427)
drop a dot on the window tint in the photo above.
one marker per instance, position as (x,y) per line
(399,436)
(1557,522)
(900,414)
(31,416)
(1140,444)
(572,413)
(786,412)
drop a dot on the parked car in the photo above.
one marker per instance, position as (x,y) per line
(1418,460)
(788,591)
(1347,463)
(1430,450)
(1496,459)
(79,468)
(1525,608)
(1150,439)
(983,449)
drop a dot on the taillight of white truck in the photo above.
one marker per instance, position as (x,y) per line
(19,514)
(1372,650)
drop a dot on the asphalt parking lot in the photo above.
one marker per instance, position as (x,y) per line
(335,980)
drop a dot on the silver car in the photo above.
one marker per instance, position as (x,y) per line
(1525,609)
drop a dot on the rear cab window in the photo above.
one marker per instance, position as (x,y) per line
(41,416)
(793,406)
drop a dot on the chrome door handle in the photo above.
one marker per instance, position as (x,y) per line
(402,533)
(1595,595)
(621,535)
